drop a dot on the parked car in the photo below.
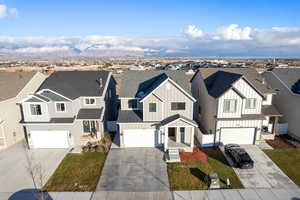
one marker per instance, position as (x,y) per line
(239,156)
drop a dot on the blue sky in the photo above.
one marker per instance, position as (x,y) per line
(158,27)
(142,18)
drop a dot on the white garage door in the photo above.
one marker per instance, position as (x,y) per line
(49,139)
(142,138)
(237,135)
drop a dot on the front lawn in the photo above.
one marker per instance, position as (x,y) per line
(190,175)
(77,172)
(288,160)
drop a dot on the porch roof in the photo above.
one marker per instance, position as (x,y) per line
(90,113)
(173,118)
(270,110)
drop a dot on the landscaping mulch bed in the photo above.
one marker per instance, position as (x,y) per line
(280,142)
(196,155)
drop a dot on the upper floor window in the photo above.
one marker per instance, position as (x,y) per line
(60,107)
(230,105)
(152,107)
(178,106)
(35,109)
(132,103)
(250,103)
(90,101)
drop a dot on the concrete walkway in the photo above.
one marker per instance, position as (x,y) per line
(264,174)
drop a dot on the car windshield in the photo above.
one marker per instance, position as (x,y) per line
(245,157)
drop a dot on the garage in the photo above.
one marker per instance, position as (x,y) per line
(49,139)
(142,138)
(237,135)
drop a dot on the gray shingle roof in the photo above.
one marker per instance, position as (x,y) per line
(52,121)
(73,84)
(11,83)
(130,116)
(270,110)
(89,113)
(52,96)
(218,80)
(133,82)
(288,75)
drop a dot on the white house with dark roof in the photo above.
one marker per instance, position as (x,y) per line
(156,110)
(234,105)
(15,86)
(287,100)
(69,109)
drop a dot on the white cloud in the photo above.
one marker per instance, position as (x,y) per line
(7,12)
(42,49)
(193,31)
(233,32)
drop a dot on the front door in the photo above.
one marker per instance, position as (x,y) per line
(172,132)
(182,131)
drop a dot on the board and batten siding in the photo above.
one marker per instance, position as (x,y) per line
(169,93)
(153,116)
(243,87)
(239,124)
(230,94)
(268,100)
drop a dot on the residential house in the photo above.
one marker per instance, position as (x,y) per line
(286,80)
(156,110)
(14,86)
(234,105)
(69,109)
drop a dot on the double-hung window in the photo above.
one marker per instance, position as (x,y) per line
(60,107)
(230,105)
(132,104)
(90,101)
(178,106)
(250,103)
(35,109)
(152,107)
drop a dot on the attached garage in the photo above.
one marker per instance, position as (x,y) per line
(142,138)
(49,139)
(238,135)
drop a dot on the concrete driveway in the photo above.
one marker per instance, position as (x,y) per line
(15,166)
(134,170)
(265,173)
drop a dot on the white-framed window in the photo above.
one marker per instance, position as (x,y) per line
(89,126)
(132,103)
(60,107)
(177,105)
(152,107)
(229,105)
(250,103)
(35,109)
(89,101)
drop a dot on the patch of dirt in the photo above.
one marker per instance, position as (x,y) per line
(196,155)
(280,142)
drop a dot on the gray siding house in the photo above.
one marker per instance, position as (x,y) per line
(14,86)
(286,81)
(69,109)
(156,110)
(234,105)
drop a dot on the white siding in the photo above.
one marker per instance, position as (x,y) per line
(268,100)
(230,94)
(35,118)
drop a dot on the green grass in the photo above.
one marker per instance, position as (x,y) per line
(191,175)
(77,172)
(288,160)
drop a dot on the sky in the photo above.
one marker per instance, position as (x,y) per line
(151,28)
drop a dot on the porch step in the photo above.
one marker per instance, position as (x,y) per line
(172,155)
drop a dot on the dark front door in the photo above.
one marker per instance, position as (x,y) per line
(172,132)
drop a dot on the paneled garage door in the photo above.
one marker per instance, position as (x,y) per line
(237,135)
(49,139)
(142,138)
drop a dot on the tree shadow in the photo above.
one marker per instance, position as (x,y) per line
(198,173)
(30,194)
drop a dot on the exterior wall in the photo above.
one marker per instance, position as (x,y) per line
(205,108)
(124,104)
(268,100)
(11,112)
(287,104)
(70,110)
(153,116)
(230,94)
(239,124)
(249,92)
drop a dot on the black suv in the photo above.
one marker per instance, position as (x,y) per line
(239,156)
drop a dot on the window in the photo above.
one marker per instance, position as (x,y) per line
(177,106)
(89,126)
(90,101)
(35,109)
(250,103)
(60,107)
(152,107)
(132,103)
(229,105)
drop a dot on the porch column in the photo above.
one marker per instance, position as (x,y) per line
(192,137)
(275,125)
(166,138)
(177,134)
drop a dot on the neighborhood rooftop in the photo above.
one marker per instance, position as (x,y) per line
(73,84)
(288,75)
(135,82)
(11,83)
